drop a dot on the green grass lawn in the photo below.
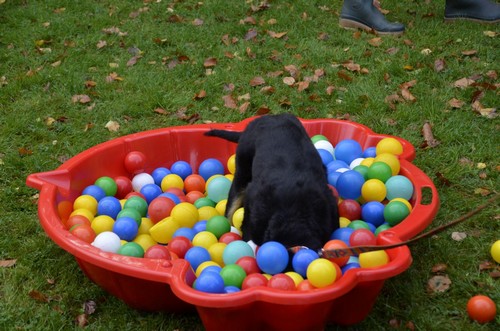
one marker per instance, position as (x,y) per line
(68,68)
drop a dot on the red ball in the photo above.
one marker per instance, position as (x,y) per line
(362,237)
(124,186)
(481,309)
(135,162)
(282,282)
(83,232)
(335,244)
(135,194)
(175,190)
(305,285)
(76,220)
(158,252)
(160,208)
(179,246)
(334,191)
(229,237)
(192,196)
(254,280)
(249,264)
(350,209)
(194,182)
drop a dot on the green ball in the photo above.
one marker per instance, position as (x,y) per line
(317,138)
(218,225)
(233,275)
(358,224)
(130,212)
(381,228)
(137,203)
(131,249)
(362,169)
(108,185)
(204,202)
(395,212)
(379,170)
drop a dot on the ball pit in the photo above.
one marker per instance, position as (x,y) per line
(140,282)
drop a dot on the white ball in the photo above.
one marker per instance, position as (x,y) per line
(342,170)
(140,180)
(324,144)
(107,241)
(235,230)
(356,162)
(252,245)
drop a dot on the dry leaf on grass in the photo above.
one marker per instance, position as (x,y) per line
(429,140)
(7,263)
(438,284)
(112,126)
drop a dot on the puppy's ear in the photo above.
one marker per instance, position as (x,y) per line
(237,203)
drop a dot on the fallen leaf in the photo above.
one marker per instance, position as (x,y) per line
(469,52)
(458,236)
(80,98)
(392,50)
(210,62)
(256,81)
(439,65)
(276,35)
(244,107)
(267,90)
(482,191)
(89,307)
(455,103)
(200,95)
(344,75)
(38,296)
(486,112)
(486,265)
(301,86)
(175,19)
(198,22)
(113,77)
(351,66)
(81,320)
(161,111)
(445,181)
(463,82)
(491,34)
(289,81)
(7,263)
(329,89)
(438,284)
(133,60)
(90,84)
(263,110)
(251,34)
(439,268)
(101,44)
(112,126)
(429,140)
(375,41)
(229,102)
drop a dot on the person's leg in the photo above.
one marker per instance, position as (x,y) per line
(362,14)
(484,11)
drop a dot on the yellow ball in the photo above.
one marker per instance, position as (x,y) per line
(163,231)
(406,202)
(172,180)
(373,190)
(216,251)
(146,224)
(229,176)
(268,276)
(237,220)
(321,272)
(145,241)
(373,259)
(391,160)
(185,214)
(86,202)
(203,265)
(102,223)
(207,212)
(84,212)
(389,145)
(297,278)
(344,222)
(204,239)
(122,202)
(368,161)
(231,164)
(495,251)
(221,206)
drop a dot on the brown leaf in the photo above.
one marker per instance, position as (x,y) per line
(229,102)
(486,265)
(89,307)
(289,81)
(112,126)
(210,62)
(267,90)
(249,20)
(439,268)
(292,70)
(438,284)
(256,81)
(133,60)
(200,95)
(428,136)
(406,94)
(301,86)
(7,263)
(81,98)
(392,50)
(392,100)
(330,89)
(198,22)
(377,41)
(483,111)
(482,191)
(455,103)
(442,179)
(112,77)
(275,73)
(251,34)
(263,110)
(244,107)
(81,320)
(469,52)
(101,44)
(175,19)
(38,296)
(160,111)
(351,66)
(492,74)
(495,274)
(276,35)
(344,75)
(439,65)
(24,151)
(458,236)
(463,83)
(323,36)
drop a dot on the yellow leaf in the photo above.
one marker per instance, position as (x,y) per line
(112,126)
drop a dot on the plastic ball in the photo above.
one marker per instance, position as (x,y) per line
(399,187)
(282,282)
(362,237)
(158,252)
(296,277)
(86,201)
(216,251)
(391,160)
(196,255)
(150,191)
(373,190)
(160,208)
(218,225)
(159,173)
(140,180)
(356,162)
(254,280)
(95,191)
(163,231)
(184,232)
(130,212)
(481,309)
(102,223)
(131,249)
(333,177)
(145,225)
(171,180)
(181,168)
(342,234)
(349,266)
(325,145)
(389,145)
(83,212)
(363,170)
(272,257)
(301,260)
(194,182)
(204,265)
(326,156)
(231,289)
(344,222)
(370,152)
(495,251)
(335,165)
(75,220)
(123,186)
(144,240)
(373,212)
(209,282)
(347,150)
(218,189)
(83,232)
(237,220)
(318,137)
(107,184)
(336,244)
(382,228)
(221,207)
(349,209)
(192,196)
(231,164)
(126,228)
(107,242)
(204,239)
(207,212)
(321,273)
(379,170)
(249,264)
(200,226)
(179,246)
(229,237)
(368,161)
(236,250)
(233,275)
(185,214)
(373,259)
(134,162)
(202,202)
(64,209)
(210,167)
(138,204)
(172,196)
(359,224)
(349,184)
(395,212)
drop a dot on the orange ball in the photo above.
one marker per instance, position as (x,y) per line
(194,182)
(334,244)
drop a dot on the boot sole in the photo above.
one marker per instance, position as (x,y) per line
(463,18)
(350,24)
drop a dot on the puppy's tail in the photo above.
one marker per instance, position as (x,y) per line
(233,136)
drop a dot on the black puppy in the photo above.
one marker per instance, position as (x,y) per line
(281,183)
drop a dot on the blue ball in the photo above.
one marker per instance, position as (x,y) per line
(326,156)
(109,206)
(171,196)
(182,169)
(185,232)
(210,167)
(347,150)
(333,178)
(370,152)
(349,184)
(302,259)
(200,226)
(209,282)
(349,266)
(231,289)
(342,234)
(159,173)
(336,165)
(272,257)
(212,268)
(126,228)
(372,212)
(399,187)
(96,191)
(150,192)
(196,255)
